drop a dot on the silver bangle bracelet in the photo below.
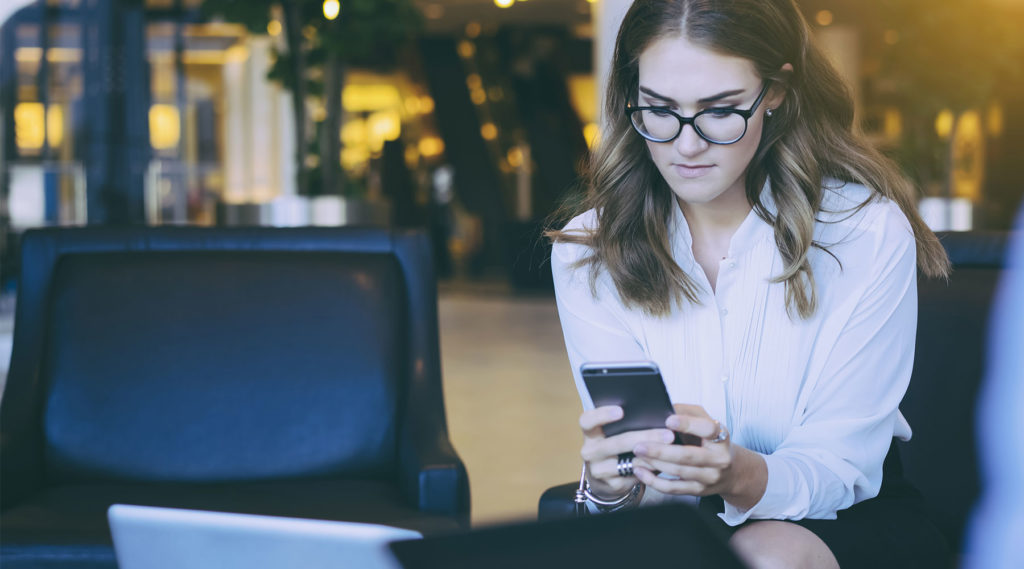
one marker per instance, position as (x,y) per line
(634,495)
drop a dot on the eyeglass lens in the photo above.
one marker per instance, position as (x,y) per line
(716,126)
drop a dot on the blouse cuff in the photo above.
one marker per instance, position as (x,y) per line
(786,496)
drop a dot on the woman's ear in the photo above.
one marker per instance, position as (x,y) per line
(777,94)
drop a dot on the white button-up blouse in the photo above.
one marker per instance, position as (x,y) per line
(818,398)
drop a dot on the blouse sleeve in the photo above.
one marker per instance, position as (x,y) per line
(832,458)
(595,329)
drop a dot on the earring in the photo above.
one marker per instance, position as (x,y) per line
(768,113)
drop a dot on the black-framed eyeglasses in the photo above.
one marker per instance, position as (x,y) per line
(715,125)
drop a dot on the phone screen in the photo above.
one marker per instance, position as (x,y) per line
(638,388)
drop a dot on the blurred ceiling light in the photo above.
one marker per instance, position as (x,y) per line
(495,93)
(944,123)
(356,98)
(504,3)
(309,32)
(488,131)
(53,55)
(824,18)
(274,28)
(993,120)
(164,127)
(473,29)
(478,96)
(431,146)
(331,9)
(473,81)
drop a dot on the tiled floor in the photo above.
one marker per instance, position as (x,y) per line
(512,406)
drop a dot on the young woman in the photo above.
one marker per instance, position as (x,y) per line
(739,234)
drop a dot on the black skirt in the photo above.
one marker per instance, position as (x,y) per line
(890,530)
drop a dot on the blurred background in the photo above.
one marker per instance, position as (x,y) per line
(468,117)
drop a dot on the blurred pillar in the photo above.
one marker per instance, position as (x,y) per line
(116,100)
(253,149)
(607,15)
(842,46)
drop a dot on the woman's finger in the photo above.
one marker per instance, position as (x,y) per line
(595,449)
(591,421)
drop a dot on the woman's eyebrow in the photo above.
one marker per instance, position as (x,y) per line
(711,99)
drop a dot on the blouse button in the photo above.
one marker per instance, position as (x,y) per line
(725,311)
(725,378)
(732,264)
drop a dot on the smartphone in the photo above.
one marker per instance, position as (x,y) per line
(638,388)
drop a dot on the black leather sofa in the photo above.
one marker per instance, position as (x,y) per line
(941,459)
(290,372)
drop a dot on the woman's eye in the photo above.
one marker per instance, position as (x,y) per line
(721,111)
(661,112)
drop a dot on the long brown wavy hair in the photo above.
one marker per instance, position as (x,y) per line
(810,137)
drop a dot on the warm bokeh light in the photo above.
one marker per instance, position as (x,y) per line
(824,18)
(55,125)
(433,11)
(478,96)
(892,37)
(354,158)
(274,28)
(968,156)
(29,133)
(164,127)
(381,127)
(489,131)
(413,105)
(515,157)
(472,29)
(892,124)
(427,104)
(993,120)
(431,147)
(353,132)
(944,123)
(362,97)
(331,9)
(591,132)
(504,3)
(473,81)
(466,49)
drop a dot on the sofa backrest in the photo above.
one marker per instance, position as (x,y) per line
(222,365)
(941,459)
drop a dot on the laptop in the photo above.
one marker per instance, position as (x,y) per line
(169,538)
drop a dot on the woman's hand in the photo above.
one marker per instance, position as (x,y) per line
(714,467)
(601,454)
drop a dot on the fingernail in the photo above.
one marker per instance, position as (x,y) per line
(668,436)
(617,412)
(673,422)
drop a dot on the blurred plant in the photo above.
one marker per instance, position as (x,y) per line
(368,34)
(952,55)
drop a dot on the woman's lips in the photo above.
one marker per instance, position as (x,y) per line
(692,170)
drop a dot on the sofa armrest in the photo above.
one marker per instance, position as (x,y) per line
(431,474)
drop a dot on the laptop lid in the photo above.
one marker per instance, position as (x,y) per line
(168,538)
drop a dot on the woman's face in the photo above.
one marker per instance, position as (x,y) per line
(687,78)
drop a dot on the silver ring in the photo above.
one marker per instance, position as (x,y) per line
(722,436)
(625,464)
